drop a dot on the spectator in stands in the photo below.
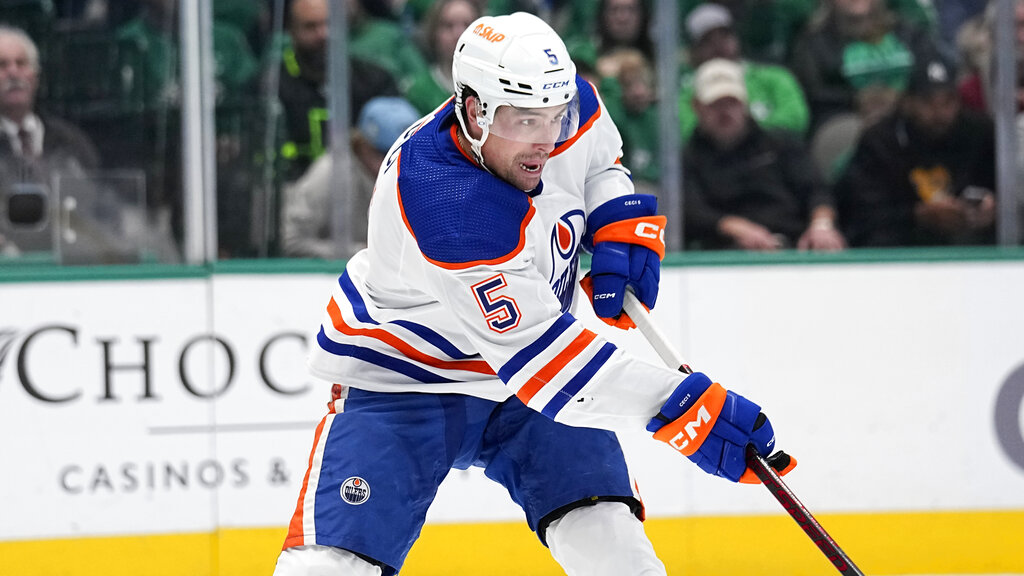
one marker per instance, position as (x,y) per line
(856,58)
(775,99)
(303,92)
(250,17)
(621,25)
(745,187)
(976,45)
(954,15)
(923,175)
(29,136)
(444,21)
(154,35)
(630,98)
(766,30)
(36,151)
(375,35)
(307,222)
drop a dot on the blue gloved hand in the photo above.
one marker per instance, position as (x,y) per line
(627,242)
(712,427)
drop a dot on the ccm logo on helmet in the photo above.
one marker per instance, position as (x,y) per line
(553,85)
(488,33)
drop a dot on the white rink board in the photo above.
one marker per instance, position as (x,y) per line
(881,379)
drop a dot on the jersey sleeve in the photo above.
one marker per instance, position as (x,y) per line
(547,358)
(606,177)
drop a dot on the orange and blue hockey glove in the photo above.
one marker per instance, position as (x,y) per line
(713,426)
(627,241)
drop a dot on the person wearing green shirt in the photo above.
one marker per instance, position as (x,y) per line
(376,37)
(153,36)
(775,98)
(629,97)
(442,24)
(768,30)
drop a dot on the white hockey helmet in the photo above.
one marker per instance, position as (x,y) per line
(516,64)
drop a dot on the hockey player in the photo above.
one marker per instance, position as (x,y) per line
(453,341)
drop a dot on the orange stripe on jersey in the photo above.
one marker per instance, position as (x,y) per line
(478,366)
(590,122)
(296,536)
(545,374)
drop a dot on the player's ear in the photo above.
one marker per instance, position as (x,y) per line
(473,109)
(474,123)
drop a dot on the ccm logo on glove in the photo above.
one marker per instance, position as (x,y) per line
(696,423)
(647,231)
(713,426)
(650,230)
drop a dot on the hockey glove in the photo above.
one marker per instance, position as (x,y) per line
(627,241)
(712,427)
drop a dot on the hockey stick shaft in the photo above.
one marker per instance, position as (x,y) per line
(771,479)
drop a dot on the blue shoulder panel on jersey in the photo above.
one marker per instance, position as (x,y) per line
(460,214)
(588,100)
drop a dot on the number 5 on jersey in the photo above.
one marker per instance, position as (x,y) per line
(500,312)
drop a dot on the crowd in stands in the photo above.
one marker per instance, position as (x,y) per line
(806,124)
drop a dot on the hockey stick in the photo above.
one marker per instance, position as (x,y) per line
(755,461)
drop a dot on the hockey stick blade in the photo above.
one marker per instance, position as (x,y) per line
(768,476)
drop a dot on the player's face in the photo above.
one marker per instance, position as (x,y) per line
(518,163)
(520,140)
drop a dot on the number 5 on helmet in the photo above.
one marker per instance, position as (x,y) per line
(713,426)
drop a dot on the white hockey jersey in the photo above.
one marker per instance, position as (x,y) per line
(467,283)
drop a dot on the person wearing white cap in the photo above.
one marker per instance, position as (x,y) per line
(776,100)
(745,187)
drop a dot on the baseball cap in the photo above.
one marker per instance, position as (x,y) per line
(719,78)
(930,76)
(383,119)
(705,18)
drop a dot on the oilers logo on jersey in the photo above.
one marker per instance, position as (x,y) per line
(565,236)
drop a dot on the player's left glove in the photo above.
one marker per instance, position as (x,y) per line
(712,427)
(627,241)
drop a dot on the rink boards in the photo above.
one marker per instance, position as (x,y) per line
(160,424)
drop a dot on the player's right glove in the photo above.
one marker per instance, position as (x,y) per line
(712,427)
